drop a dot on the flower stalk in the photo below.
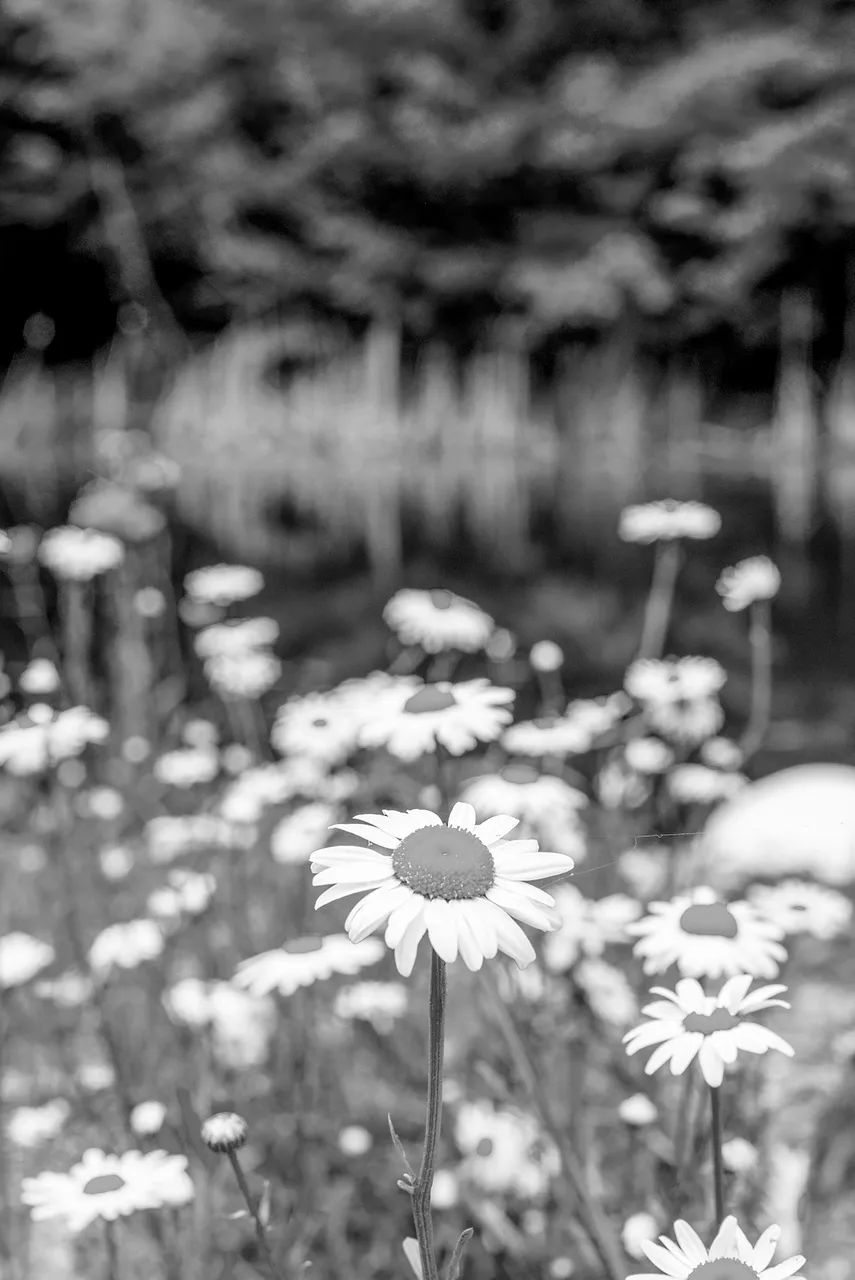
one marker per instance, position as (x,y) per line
(657,611)
(255,1214)
(423,1184)
(760,642)
(718,1165)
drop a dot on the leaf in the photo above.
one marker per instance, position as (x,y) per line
(193,1128)
(411,1252)
(399,1147)
(264,1204)
(457,1256)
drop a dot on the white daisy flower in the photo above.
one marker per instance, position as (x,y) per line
(546,736)
(736,1258)
(639,1110)
(548,807)
(223,584)
(295,838)
(187,1002)
(39,677)
(678,695)
(225,1131)
(504,1150)
(698,784)
(186,893)
(379,1003)
(191,767)
(246,799)
(21,957)
(588,926)
(546,656)
(799,906)
(663,521)
(607,991)
(43,738)
(79,554)
(756,578)
(108,1187)
(687,1024)
(148,1118)
(125,946)
(648,755)
(246,675)
(457,716)
(170,836)
(304,961)
(29,1127)
(705,937)
(316,725)
(199,732)
(722,753)
(438,620)
(462,883)
(235,638)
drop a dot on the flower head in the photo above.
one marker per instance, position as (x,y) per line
(188,767)
(798,906)
(235,638)
(379,1003)
(39,677)
(304,961)
(31,1126)
(245,675)
(226,1131)
(687,1024)
(147,1118)
(548,807)
(699,784)
(438,620)
(754,579)
(79,555)
(108,1187)
(223,584)
(320,726)
(461,883)
(546,656)
(457,716)
(730,1256)
(21,957)
(705,937)
(588,926)
(663,521)
(504,1150)
(125,946)
(295,838)
(678,695)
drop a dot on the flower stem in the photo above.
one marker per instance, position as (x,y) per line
(252,1205)
(593,1220)
(424,1180)
(760,640)
(718,1167)
(112,1246)
(657,611)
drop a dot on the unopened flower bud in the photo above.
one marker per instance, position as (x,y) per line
(225,1131)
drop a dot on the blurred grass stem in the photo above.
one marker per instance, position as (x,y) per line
(760,641)
(657,611)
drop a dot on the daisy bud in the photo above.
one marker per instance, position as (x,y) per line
(639,1229)
(224,1132)
(546,656)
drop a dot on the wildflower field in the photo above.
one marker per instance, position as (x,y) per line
(385,980)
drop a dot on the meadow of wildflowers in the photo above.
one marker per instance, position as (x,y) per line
(381,979)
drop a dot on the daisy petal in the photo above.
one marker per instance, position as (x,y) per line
(405,952)
(512,940)
(530,866)
(494,829)
(690,1242)
(372,911)
(442,929)
(359,872)
(785,1269)
(734,990)
(337,891)
(521,909)
(481,923)
(467,943)
(422,818)
(401,918)
(764,1249)
(372,834)
(462,815)
(664,1260)
(712,1067)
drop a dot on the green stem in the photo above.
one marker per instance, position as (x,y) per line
(760,640)
(718,1166)
(657,612)
(252,1205)
(423,1184)
(112,1246)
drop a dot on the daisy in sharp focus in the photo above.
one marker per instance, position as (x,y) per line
(687,1024)
(462,883)
(438,620)
(457,716)
(730,1256)
(304,961)
(109,1187)
(706,938)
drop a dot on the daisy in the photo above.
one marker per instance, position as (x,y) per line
(607,991)
(588,926)
(735,1257)
(504,1150)
(703,937)
(43,738)
(186,893)
(68,991)
(190,767)
(798,906)
(698,784)
(245,675)
(546,656)
(663,521)
(295,838)
(648,755)
(39,677)
(223,584)
(597,715)
(148,1118)
(108,1187)
(78,555)
(169,836)
(756,578)
(547,806)
(456,716)
(721,753)
(31,1126)
(546,736)
(303,961)
(379,1003)
(462,883)
(21,957)
(687,1024)
(678,695)
(233,639)
(225,1131)
(125,946)
(316,725)
(438,620)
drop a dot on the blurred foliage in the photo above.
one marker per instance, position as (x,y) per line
(462,164)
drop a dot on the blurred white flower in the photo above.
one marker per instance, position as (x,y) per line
(125,946)
(644,871)
(117,862)
(79,554)
(756,578)
(445,1192)
(698,784)
(95,1076)
(169,837)
(798,906)
(721,753)
(147,1118)
(546,736)
(200,733)
(246,675)
(39,677)
(355,1141)
(617,786)
(149,602)
(678,695)
(105,803)
(246,799)
(136,748)
(69,990)
(186,1002)
(588,926)
(241,1023)
(545,655)
(638,1110)
(607,991)
(738,1155)
(438,620)
(547,806)
(186,893)
(662,521)
(21,957)
(31,1126)
(191,767)
(223,584)
(236,759)
(504,1151)
(501,646)
(108,1187)
(638,1229)
(295,838)
(304,961)
(379,1003)
(457,716)
(235,638)
(648,755)
(318,725)
(43,737)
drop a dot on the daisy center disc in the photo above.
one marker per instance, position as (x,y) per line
(709,920)
(441,599)
(102,1184)
(444,862)
(723,1269)
(707,1023)
(522,775)
(429,699)
(484,1148)
(302,946)
(320,723)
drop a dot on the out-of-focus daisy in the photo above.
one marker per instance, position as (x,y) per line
(698,784)
(721,753)
(687,1024)
(235,638)
(95,1076)
(588,926)
(241,1023)
(354,1141)
(438,620)
(116,861)
(125,946)
(756,578)
(186,893)
(663,521)
(457,716)
(462,883)
(643,870)
(638,1110)
(187,1002)
(104,803)
(799,906)
(149,602)
(295,838)
(379,1003)
(190,767)
(547,806)
(109,1187)
(69,990)
(223,584)
(736,1259)
(79,554)
(504,1150)
(245,675)
(648,755)
(31,1126)
(317,725)
(148,1118)
(739,1156)
(546,656)
(43,737)
(39,677)
(171,836)
(638,1229)
(546,736)
(21,957)
(246,799)
(678,695)
(445,1191)
(304,961)
(706,938)
(607,991)
(618,786)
